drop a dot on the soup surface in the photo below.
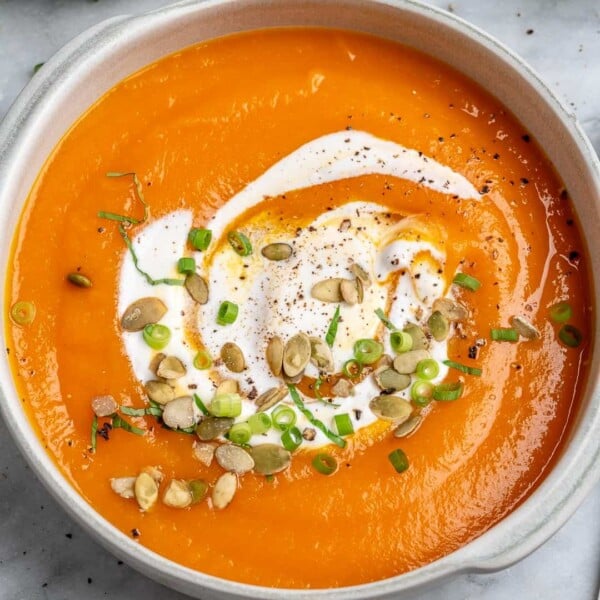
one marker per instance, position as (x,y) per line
(353,190)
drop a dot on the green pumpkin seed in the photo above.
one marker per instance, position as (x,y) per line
(198,489)
(142,312)
(420,341)
(159,391)
(146,491)
(211,428)
(197,288)
(452,310)
(203,452)
(171,367)
(360,274)
(270,458)
(233,357)
(327,290)
(408,426)
(234,459)
(277,251)
(156,360)
(270,398)
(227,386)
(177,494)
(79,280)
(224,490)
(342,389)
(390,379)
(408,361)
(391,408)
(179,413)
(275,355)
(296,354)
(524,327)
(320,354)
(438,325)
(349,291)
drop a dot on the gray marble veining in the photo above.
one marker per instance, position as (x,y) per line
(44,556)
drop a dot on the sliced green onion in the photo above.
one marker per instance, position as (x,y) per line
(504,334)
(324,463)
(132,412)
(464,368)
(283,417)
(186,265)
(445,392)
(94,433)
(226,405)
(202,360)
(379,312)
(157,336)
(367,351)
(119,423)
(467,281)
(401,341)
(228,312)
(428,368)
(399,460)
(23,312)
(291,438)
(336,439)
(343,424)
(352,368)
(259,423)
(240,433)
(201,406)
(570,336)
(200,238)
(333,327)
(421,392)
(240,243)
(561,312)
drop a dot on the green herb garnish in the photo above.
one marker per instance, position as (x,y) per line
(464,368)
(119,423)
(379,312)
(333,327)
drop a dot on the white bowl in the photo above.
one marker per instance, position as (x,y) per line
(96,60)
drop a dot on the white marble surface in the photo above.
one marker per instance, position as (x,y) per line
(44,556)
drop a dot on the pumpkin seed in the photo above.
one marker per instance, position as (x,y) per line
(224,490)
(228,386)
(198,489)
(234,459)
(270,458)
(179,413)
(277,251)
(275,355)
(171,368)
(296,379)
(155,473)
(203,452)
(79,280)
(391,408)
(524,327)
(408,361)
(327,290)
(197,288)
(418,336)
(296,354)
(270,398)
(361,274)
(159,391)
(342,389)
(104,406)
(438,325)
(156,360)
(408,426)
(390,379)
(320,354)
(146,491)
(123,486)
(360,288)
(452,310)
(349,291)
(142,312)
(233,357)
(177,494)
(385,361)
(210,428)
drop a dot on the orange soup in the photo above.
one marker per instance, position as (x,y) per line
(299,308)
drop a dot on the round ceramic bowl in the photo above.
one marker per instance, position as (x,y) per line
(95,61)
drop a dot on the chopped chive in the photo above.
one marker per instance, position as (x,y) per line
(283,417)
(399,460)
(291,438)
(444,392)
(157,336)
(352,368)
(133,412)
(186,265)
(570,336)
(467,281)
(401,341)
(94,433)
(464,368)
(201,406)
(119,423)
(324,463)
(226,405)
(561,312)
(428,368)
(200,238)
(367,351)
(259,423)
(333,327)
(23,312)
(421,392)
(240,243)
(240,433)
(228,312)
(202,360)
(343,424)
(504,334)
(336,439)
(379,312)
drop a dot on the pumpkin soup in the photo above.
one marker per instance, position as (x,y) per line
(306,297)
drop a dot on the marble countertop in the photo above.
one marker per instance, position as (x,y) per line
(45,556)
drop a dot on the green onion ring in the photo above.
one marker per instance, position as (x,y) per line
(401,341)
(259,423)
(467,281)
(23,312)
(202,360)
(240,433)
(343,424)
(421,392)
(186,265)
(199,238)
(570,336)
(445,392)
(157,336)
(428,368)
(399,460)
(291,438)
(324,463)
(367,351)
(561,312)
(240,243)
(228,312)
(283,417)
(352,368)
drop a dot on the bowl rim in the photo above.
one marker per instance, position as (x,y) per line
(525,528)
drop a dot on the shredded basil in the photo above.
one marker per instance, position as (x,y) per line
(94,433)
(119,423)
(379,312)
(333,327)
(133,412)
